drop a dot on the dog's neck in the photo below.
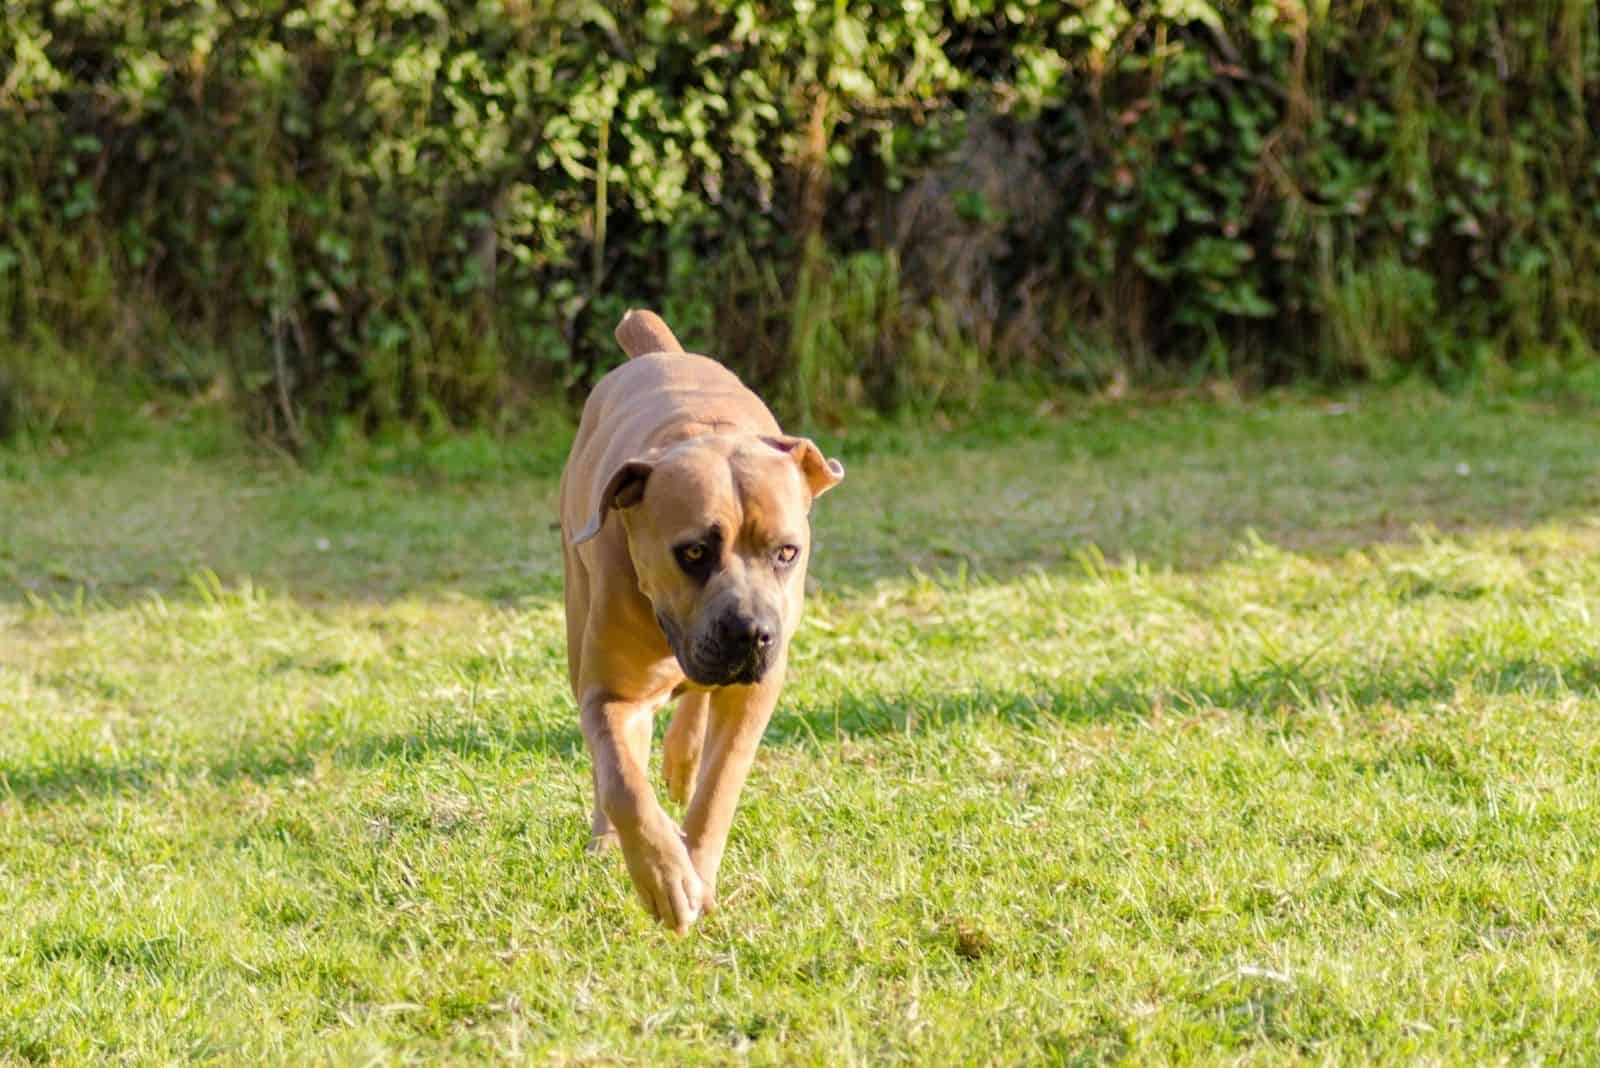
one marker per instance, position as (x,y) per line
(674,433)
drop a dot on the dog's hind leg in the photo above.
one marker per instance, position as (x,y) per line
(686,736)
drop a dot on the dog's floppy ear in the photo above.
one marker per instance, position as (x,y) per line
(624,489)
(821,474)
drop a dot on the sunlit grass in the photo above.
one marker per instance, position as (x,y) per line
(1149,735)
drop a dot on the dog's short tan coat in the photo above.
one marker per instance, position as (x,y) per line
(685,538)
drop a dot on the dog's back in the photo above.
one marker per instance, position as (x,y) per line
(663,394)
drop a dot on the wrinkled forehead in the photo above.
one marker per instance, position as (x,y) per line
(750,488)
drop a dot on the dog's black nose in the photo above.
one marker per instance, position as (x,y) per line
(746,645)
(746,634)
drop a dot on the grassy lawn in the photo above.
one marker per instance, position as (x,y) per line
(1260,733)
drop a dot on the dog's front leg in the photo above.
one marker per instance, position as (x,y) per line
(633,738)
(738,718)
(618,735)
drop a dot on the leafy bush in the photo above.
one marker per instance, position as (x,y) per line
(414,210)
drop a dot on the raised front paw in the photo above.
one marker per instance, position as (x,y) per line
(664,878)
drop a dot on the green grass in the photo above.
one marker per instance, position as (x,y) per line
(1257,733)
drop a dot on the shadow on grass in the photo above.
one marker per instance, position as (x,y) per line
(1271,695)
(853,558)
(1268,692)
(1176,486)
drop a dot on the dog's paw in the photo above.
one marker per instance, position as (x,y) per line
(679,768)
(601,843)
(708,879)
(665,880)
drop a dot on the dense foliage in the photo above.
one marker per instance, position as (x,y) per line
(419,209)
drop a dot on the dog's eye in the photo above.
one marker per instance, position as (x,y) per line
(788,553)
(694,558)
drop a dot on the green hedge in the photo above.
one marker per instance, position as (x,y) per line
(413,209)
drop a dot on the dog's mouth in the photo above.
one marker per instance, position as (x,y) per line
(706,665)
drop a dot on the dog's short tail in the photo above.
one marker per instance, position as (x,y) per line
(642,332)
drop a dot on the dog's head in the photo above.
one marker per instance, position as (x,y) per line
(718,532)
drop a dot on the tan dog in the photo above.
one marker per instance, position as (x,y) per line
(684,548)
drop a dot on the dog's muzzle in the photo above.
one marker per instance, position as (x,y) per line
(734,650)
